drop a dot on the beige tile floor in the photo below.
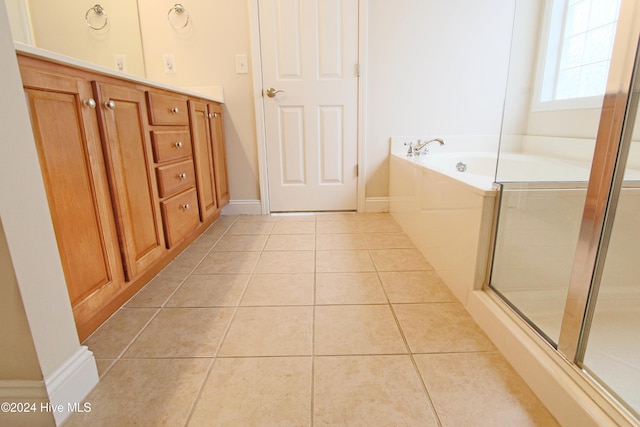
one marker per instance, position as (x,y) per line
(327,319)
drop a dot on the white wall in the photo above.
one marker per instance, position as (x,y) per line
(27,223)
(435,68)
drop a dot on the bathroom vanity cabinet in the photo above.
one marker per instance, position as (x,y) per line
(216,124)
(122,112)
(133,174)
(204,151)
(211,168)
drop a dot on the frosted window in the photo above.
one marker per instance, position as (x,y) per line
(583,51)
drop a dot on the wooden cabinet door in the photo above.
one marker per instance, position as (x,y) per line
(65,127)
(216,126)
(125,131)
(203,159)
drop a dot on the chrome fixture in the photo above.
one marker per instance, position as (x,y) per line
(178,10)
(461,166)
(98,11)
(410,150)
(423,144)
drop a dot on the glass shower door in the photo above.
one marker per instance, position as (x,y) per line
(611,339)
(567,250)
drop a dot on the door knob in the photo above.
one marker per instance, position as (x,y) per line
(271,92)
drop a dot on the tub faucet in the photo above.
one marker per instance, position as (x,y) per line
(410,150)
(423,144)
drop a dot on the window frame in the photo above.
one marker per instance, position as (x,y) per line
(550,39)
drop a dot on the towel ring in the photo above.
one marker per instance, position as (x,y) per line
(98,11)
(178,10)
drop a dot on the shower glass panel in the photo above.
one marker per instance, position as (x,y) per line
(613,344)
(535,245)
(546,150)
(566,247)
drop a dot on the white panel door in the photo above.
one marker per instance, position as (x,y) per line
(310,53)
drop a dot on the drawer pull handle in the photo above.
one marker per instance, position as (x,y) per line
(186,206)
(182,175)
(110,105)
(91,103)
(175,110)
(178,144)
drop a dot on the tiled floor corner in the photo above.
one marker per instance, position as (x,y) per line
(302,320)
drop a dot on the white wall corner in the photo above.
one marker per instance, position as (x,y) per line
(377,204)
(243,207)
(70,384)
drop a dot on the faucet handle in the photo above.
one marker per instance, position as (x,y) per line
(410,150)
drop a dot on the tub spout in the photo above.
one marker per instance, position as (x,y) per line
(423,144)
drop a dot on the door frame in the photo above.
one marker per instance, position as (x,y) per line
(256,67)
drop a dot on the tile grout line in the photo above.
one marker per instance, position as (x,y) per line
(313,328)
(158,309)
(213,359)
(222,338)
(410,352)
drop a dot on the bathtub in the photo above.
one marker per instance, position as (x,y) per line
(449,216)
(446,201)
(481,170)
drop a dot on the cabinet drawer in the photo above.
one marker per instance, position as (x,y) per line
(175,177)
(167,109)
(181,216)
(170,145)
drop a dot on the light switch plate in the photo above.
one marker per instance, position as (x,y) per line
(120,61)
(242,64)
(169,62)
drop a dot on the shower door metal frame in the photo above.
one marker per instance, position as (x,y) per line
(609,161)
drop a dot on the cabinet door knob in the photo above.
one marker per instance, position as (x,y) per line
(178,144)
(186,206)
(175,110)
(182,175)
(110,105)
(91,103)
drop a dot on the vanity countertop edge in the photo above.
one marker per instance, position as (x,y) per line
(211,93)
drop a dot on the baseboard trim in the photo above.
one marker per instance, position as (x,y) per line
(377,204)
(70,384)
(11,390)
(32,394)
(243,207)
(254,207)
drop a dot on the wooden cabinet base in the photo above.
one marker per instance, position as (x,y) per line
(122,186)
(88,319)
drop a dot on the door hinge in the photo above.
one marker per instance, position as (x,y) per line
(357,70)
(357,170)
